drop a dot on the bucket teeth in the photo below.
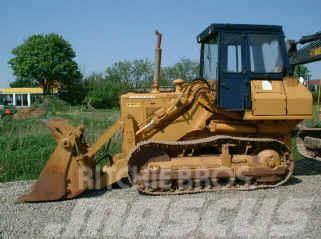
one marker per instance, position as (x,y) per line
(49,187)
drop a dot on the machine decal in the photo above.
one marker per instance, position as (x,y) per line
(142,97)
(266,85)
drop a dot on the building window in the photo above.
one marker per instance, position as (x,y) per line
(22,100)
(6,99)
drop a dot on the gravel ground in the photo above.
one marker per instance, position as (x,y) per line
(292,211)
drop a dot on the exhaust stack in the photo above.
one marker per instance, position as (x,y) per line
(158,60)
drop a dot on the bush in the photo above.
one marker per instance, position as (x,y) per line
(315,97)
(104,93)
(74,92)
(53,104)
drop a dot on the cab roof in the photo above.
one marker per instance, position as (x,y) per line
(219,27)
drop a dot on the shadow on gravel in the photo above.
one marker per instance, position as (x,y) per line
(305,167)
(124,183)
(292,181)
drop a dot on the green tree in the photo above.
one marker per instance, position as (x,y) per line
(133,74)
(120,72)
(185,69)
(103,92)
(302,71)
(74,92)
(22,83)
(45,58)
(142,73)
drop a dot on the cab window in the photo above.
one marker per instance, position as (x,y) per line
(265,53)
(210,59)
(233,49)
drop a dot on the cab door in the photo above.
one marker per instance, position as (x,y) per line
(233,72)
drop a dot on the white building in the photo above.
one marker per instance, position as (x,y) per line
(20,97)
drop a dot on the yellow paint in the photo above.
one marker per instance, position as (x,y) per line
(34,90)
(315,52)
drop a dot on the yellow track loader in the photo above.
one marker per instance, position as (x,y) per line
(229,129)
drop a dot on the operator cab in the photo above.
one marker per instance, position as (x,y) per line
(235,54)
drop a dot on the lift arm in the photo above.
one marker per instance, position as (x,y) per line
(309,52)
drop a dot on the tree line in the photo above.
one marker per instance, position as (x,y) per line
(48,60)
(103,90)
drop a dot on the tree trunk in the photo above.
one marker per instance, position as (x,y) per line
(43,84)
(46,87)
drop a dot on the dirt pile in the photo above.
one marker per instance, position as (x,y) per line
(28,113)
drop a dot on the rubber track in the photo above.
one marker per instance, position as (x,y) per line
(132,161)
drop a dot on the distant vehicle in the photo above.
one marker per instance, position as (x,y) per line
(7,110)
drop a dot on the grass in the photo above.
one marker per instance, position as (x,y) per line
(25,145)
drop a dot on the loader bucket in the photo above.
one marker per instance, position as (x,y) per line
(67,173)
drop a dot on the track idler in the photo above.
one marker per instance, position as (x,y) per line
(68,172)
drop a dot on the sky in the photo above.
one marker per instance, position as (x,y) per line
(103,32)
